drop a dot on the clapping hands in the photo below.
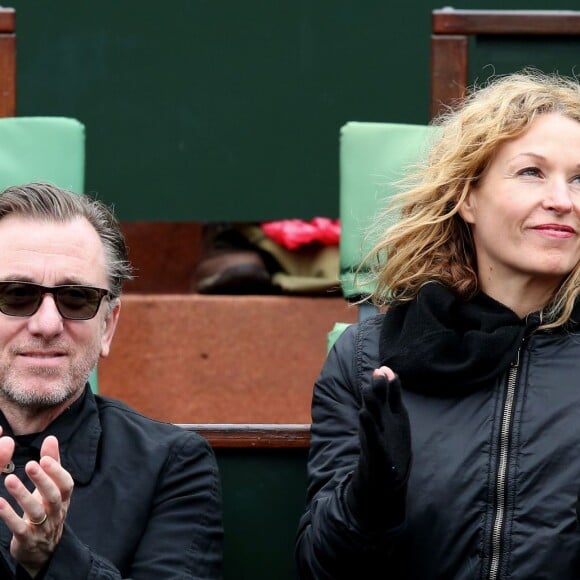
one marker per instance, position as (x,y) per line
(36,532)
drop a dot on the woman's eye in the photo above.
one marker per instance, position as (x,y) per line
(530,171)
(576,180)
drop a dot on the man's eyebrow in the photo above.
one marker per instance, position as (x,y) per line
(63,282)
(17,278)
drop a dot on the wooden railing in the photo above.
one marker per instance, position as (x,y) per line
(256,435)
(452,28)
(7,62)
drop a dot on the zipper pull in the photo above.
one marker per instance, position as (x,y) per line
(516,363)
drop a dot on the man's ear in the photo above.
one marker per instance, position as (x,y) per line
(110,324)
(466,208)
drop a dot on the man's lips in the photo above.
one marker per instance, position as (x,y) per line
(42,354)
(42,358)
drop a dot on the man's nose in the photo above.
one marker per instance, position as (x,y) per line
(47,320)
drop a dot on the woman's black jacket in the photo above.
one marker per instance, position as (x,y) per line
(494,480)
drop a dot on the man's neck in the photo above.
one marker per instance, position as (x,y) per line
(24,421)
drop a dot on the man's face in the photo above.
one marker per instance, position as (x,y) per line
(45,359)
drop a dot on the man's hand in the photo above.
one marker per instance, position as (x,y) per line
(38,531)
(377,491)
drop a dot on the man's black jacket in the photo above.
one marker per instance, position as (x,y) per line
(146,503)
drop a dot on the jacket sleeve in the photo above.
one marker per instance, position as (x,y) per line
(183,538)
(329,543)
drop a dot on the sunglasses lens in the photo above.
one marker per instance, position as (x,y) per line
(78,302)
(73,302)
(19,299)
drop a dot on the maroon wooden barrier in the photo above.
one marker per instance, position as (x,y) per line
(259,436)
(452,28)
(7,62)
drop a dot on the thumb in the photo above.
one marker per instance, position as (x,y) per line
(384,371)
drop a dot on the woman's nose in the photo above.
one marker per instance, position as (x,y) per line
(559,197)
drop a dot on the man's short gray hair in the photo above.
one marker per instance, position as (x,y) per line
(44,201)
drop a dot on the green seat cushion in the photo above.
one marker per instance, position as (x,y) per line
(373,157)
(50,149)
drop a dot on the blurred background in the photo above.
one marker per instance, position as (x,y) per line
(225,110)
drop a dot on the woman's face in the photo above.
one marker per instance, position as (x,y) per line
(525,210)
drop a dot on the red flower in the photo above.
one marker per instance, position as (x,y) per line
(294,233)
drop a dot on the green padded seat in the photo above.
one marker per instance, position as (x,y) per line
(48,149)
(373,157)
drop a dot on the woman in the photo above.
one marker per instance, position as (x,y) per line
(446,431)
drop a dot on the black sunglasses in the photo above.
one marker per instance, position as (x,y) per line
(74,302)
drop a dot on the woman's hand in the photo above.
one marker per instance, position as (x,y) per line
(377,491)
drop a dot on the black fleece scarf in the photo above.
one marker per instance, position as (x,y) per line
(441,344)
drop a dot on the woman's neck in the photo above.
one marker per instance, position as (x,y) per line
(521,296)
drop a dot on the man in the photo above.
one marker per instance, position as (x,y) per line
(91,489)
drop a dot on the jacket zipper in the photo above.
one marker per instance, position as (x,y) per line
(500,491)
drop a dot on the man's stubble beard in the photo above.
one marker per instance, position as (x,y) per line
(19,388)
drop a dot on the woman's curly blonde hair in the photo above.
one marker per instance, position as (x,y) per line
(429,240)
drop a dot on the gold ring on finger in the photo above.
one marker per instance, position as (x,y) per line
(39,522)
